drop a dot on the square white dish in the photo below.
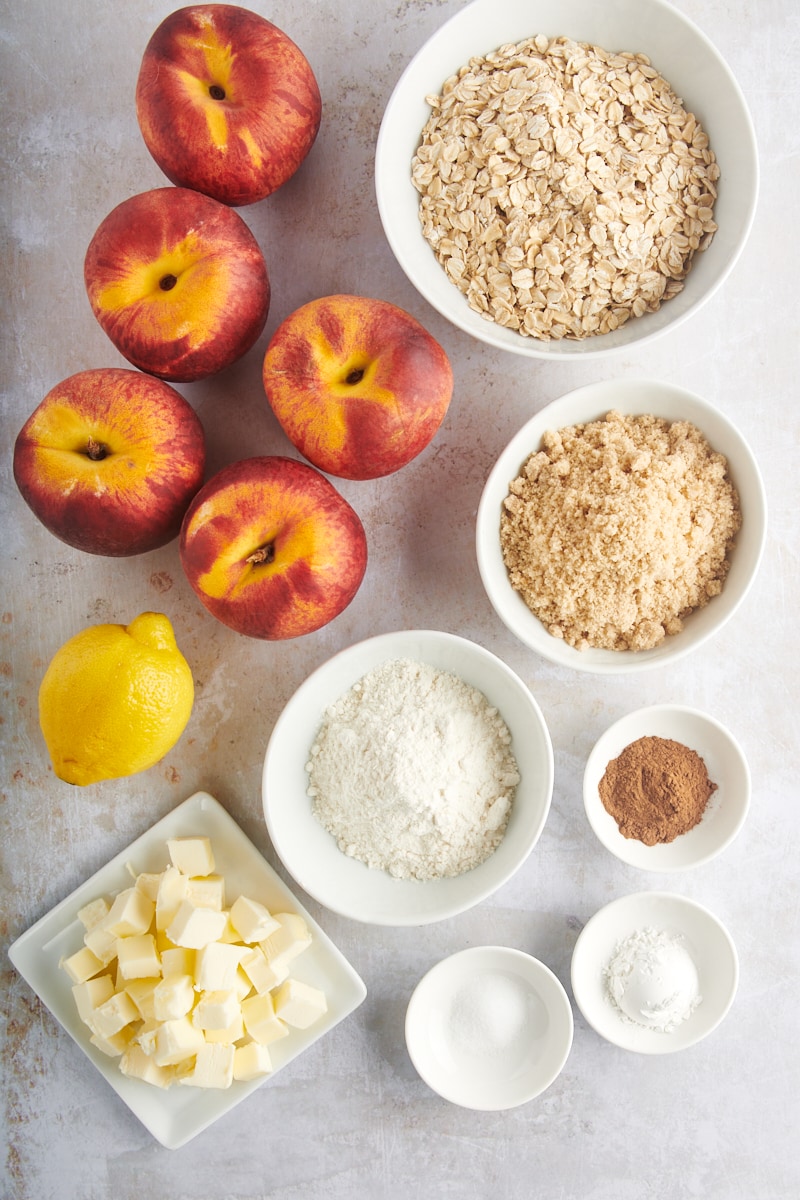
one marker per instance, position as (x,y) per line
(176,1115)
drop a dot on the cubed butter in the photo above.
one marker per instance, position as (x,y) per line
(91,994)
(176,1040)
(216,1010)
(260,1021)
(141,992)
(195,927)
(251,1061)
(289,939)
(137,957)
(207,892)
(138,1065)
(113,1014)
(299,1004)
(102,942)
(82,965)
(116,1044)
(173,997)
(172,889)
(191,855)
(252,920)
(264,975)
(177,960)
(232,1033)
(93,912)
(216,965)
(148,882)
(130,913)
(213,1067)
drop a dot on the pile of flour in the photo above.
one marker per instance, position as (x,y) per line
(412,772)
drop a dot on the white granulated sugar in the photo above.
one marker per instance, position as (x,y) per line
(412,772)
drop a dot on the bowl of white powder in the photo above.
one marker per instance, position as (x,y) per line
(567,180)
(621,527)
(407,778)
(654,972)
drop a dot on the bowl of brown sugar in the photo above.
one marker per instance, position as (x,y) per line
(621,527)
(666,788)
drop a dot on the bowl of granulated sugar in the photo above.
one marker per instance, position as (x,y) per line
(408,778)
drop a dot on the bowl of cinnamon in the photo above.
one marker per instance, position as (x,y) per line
(666,788)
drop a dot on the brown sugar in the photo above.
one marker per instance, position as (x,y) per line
(615,530)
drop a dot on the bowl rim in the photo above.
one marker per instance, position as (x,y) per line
(449,302)
(635,853)
(593,401)
(524,965)
(449,892)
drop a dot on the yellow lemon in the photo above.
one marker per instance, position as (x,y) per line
(114,700)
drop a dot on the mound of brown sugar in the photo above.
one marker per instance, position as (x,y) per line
(617,529)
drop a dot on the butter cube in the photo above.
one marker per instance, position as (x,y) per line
(93,912)
(141,992)
(195,927)
(176,1040)
(232,1033)
(191,855)
(216,1010)
(111,1016)
(229,934)
(260,1021)
(137,957)
(213,1067)
(148,882)
(216,965)
(177,960)
(173,997)
(207,892)
(138,1065)
(252,920)
(299,1004)
(172,889)
(264,975)
(290,939)
(102,942)
(116,1044)
(131,913)
(251,1061)
(90,994)
(145,1035)
(82,965)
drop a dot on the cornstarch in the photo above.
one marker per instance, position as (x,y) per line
(412,772)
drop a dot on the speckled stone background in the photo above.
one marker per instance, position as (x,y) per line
(351,1117)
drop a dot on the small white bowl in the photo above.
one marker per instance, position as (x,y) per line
(679,51)
(726,765)
(703,935)
(310,854)
(489,1028)
(631,397)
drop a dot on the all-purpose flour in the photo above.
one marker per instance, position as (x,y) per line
(412,772)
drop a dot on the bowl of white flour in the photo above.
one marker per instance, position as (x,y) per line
(407,778)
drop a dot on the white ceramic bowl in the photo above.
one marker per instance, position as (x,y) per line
(702,934)
(489,1028)
(311,855)
(726,765)
(629,396)
(679,51)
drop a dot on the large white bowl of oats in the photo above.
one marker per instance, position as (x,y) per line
(621,527)
(567,179)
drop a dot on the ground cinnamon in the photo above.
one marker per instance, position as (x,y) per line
(656,790)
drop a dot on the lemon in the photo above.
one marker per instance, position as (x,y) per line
(114,700)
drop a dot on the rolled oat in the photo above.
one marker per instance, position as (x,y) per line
(564,189)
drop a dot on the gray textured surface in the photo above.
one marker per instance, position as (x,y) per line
(351,1117)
